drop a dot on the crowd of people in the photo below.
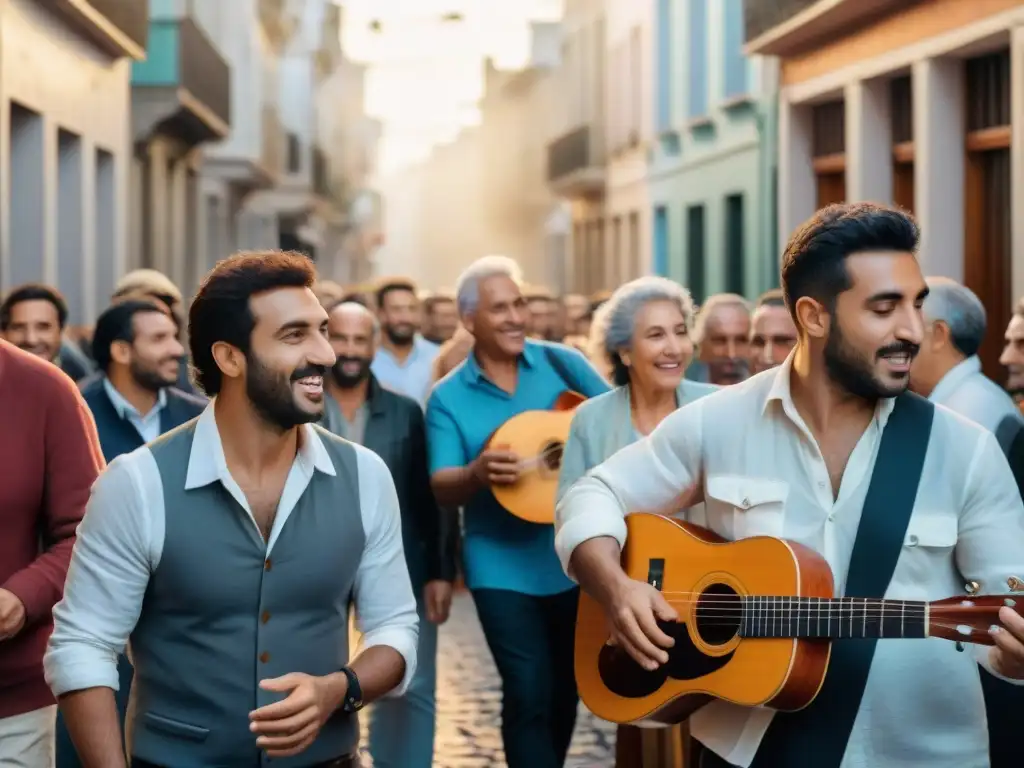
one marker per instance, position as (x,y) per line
(195,497)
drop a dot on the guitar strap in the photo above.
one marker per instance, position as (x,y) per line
(817,736)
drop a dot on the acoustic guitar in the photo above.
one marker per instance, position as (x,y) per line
(757,618)
(537,438)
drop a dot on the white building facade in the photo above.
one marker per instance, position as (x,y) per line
(65,144)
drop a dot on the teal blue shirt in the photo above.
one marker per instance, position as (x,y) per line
(500,551)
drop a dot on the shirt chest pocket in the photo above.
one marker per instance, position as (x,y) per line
(739,507)
(929,542)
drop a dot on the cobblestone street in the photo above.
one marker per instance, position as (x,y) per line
(469,700)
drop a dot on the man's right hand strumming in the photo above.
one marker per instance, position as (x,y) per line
(496,467)
(633,607)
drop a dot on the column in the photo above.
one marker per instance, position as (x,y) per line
(176,267)
(868,141)
(798,194)
(939,165)
(158,210)
(1017,159)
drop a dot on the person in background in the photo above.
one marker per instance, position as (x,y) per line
(328,293)
(543,318)
(525,603)
(643,334)
(133,401)
(50,458)
(403,361)
(1013,354)
(722,333)
(401,730)
(772,331)
(947,371)
(229,552)
(575,306)
(33,318)
(156,285)
(440,318)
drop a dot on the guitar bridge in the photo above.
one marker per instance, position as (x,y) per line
(656,573)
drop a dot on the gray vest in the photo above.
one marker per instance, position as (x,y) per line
(219,615)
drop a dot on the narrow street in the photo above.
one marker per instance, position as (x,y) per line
(469,703)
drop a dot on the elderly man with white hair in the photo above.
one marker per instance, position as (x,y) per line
(947,370)
(526,604)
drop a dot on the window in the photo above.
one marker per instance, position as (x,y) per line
(661,241)
(695,251)
(697,104)
(294,153)
(735,76)
(734,234)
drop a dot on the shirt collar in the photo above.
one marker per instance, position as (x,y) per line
(474,373)
(206,462)
(128,411)
(780,392)
(954,377)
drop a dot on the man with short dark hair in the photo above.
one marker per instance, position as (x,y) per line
(440,318)
(33,317)
(229,551)
(391,425)
(404,360)
(772,332)
(900,498)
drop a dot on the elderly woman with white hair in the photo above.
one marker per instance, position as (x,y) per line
(642,336)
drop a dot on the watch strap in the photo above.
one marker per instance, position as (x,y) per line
(353,700)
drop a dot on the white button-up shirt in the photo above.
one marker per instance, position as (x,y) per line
(753,460)
(147,424)
(969,392)
(121,538)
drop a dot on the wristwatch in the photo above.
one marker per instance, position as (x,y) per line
(353,700)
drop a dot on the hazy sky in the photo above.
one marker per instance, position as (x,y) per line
(426,75)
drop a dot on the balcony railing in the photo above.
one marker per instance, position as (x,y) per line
(786,27)
(181,57)
(569,153)
(119,27)
(273,142)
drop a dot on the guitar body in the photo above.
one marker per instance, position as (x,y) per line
(538,438)
(709,659)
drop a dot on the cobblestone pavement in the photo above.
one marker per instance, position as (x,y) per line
(469,702)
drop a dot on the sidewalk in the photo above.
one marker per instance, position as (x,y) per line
(469,704)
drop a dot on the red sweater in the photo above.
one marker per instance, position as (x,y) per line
(49,458)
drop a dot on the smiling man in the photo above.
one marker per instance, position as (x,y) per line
(229,550)
(526,605)
(901,498)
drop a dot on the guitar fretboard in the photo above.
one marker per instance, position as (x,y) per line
(840,617)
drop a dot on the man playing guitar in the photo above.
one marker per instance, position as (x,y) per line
(791,453)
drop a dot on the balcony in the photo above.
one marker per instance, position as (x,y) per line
(184,85)
(790,27)
(118,27)
(575,168)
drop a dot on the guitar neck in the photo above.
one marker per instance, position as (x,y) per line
(831,618)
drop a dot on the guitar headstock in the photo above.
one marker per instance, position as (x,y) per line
(968,619)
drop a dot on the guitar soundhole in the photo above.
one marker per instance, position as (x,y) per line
(719,613)
(551,455)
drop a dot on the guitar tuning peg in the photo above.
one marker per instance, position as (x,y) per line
(1015,584)
(960,646)
(972,587)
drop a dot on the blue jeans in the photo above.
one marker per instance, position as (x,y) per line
(402,729)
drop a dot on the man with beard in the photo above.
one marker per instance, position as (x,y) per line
(404,360)
(391,425)
(526,606)
(901,498)
(133,401)
(229,550)
(772,332)
(722,331)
